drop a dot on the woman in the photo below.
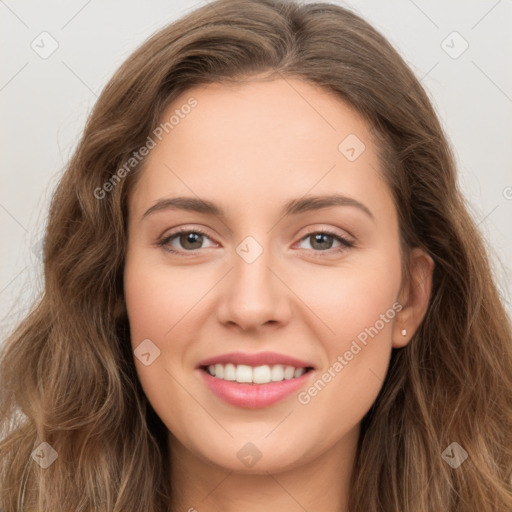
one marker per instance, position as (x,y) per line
(332,338)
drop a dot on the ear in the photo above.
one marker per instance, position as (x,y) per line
(414,297)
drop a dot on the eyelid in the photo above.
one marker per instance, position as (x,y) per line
(185,229)
(327,228)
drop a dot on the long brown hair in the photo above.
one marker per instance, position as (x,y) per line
(67,375)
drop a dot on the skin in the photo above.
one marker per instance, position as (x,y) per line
(250,148)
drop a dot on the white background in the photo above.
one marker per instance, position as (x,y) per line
(44,104)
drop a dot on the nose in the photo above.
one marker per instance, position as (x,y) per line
(254,294)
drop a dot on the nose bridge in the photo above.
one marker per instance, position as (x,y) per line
(253,295)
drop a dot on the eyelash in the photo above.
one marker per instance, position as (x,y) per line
(346,244)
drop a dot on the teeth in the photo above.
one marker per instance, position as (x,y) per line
(277,373)
(255,375)
(261,375)
(229,372)
(289,371)
(243,373)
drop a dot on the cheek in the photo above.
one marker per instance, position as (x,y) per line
(355,297)
(158,296)
(157,301)
(358,307)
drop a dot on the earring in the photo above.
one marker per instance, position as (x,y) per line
(404,332)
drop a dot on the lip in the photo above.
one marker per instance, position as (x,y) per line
(256,359)
(253,396)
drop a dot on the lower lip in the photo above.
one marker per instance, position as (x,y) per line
(253,396)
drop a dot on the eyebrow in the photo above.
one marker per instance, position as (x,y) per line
(293,207)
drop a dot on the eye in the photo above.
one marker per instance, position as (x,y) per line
(189,240)
(321,241)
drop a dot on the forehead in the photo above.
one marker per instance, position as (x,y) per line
(260,139)
(270,114)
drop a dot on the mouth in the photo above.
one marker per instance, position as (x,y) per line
(257,375)
(254,381)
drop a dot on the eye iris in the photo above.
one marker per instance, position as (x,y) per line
(321,239)
(193,238)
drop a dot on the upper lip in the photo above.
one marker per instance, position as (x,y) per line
(257,359)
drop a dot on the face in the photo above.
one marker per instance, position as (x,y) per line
(263,278)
